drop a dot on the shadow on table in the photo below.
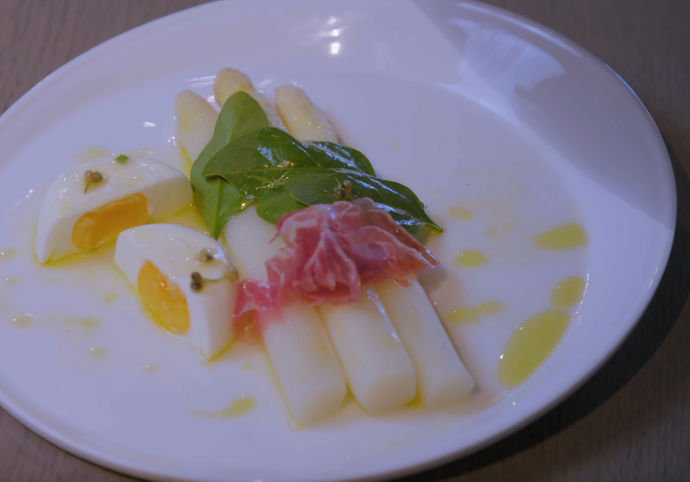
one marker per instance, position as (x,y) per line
(648,335)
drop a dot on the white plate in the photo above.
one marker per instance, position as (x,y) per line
(460,101)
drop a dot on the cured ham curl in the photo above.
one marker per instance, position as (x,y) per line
(252,296)
(331,251)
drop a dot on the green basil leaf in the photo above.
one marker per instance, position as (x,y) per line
(215,199)
(273,149)
(258,160)
(276,202)
(269,147)
(410,223)
(358,160)
(285,175)
(398,200)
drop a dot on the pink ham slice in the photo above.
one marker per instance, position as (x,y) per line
(253,297)
(332,249)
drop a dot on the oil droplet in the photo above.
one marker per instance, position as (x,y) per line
(8,254)
(470,259)
(415,403)
(246,366)
(188,217)
(87,323)
(110,297)
(102,251)
(490,308)
(472,314)
(391,444)
(296,425)
(459,212)
(490,233)
(11,280)
(186,160)
(49,281)
(237,408)
(150,368)
(98,352)
(464,315)
(22,321)
(90,152)
(568,236)
(530,344)
(5,309)
(567,292)
(218,355)
(437,191)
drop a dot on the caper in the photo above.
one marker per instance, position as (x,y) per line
(197,281)
(205,255)
(91,176)
(344,190)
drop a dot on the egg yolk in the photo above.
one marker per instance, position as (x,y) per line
(165,299)
(106,222)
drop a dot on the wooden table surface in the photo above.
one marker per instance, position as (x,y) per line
(632,420)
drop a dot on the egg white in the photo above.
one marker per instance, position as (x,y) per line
(174,251)
(166,189)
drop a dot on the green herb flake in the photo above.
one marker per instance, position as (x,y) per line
(122,158)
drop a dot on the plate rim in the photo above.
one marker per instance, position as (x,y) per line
(105,458)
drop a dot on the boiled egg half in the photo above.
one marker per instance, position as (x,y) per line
(96,200)
(186,279)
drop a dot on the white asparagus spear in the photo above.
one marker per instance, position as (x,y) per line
(376,365)
(297,345)
(442,378)
(196,120)
(303,120)
(378,369)
(229,81)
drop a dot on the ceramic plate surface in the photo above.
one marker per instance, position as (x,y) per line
(475,109)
